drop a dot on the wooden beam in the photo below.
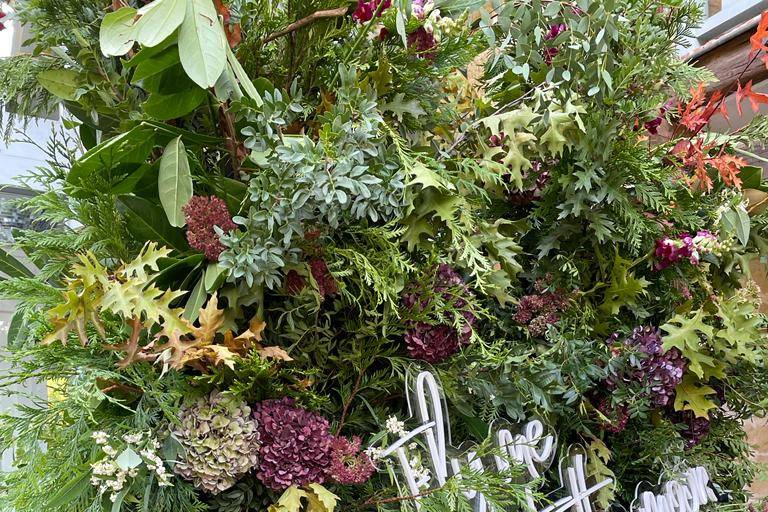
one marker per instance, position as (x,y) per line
(730,60)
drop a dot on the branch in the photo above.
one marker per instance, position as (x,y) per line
(296,25)
(355,389)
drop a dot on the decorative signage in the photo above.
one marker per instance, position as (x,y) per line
(531,447)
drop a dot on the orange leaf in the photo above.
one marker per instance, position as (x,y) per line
(757,39)
(729,167)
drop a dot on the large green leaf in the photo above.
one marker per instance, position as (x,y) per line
(173,106)
(116,35)
(147,222)
(174,182)
(202,44)
(12,267)
(161,19)
(156,65)
(131,147)
(195,301)
(242,77)
(685,333)
(62,83)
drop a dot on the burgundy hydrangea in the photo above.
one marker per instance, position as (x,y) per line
(538,179)
(294,283)
(326,284)
(618,416)
(540,309)
(366,9)
(202,214)
(424,42)
(435,342)
(349,465)
(659,371)
(696,428)
(295,445)
(2,25)
(653,125)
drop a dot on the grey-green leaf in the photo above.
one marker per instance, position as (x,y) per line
(174,182)
(160,21)
(117,32)
(202,44)
(195,301)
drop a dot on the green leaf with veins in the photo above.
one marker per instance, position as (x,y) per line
(684,332)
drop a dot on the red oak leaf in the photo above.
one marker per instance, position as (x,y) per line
(757,40)
(755,98)
(729,167)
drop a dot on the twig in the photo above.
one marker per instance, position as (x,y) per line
(355,389)
(371,502)
(296,25)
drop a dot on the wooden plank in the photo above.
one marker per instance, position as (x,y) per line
(730,61)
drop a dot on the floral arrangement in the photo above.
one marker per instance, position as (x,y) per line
(260,216)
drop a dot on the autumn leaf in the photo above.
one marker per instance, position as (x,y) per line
(211,319)
(757,40)
(729,167)
(691,396)
(755,98)
(274,353)
(321,499)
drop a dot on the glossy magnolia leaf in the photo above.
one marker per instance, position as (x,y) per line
(174,182)
(62,83)
(156,65)
(172,106)
(117,32)
(147,222)
(202,44)
(161,19)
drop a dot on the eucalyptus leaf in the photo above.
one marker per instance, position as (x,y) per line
(174,182)
(202,44)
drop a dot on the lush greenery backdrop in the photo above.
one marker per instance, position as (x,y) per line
(259,215)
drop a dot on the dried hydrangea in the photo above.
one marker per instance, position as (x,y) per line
(541,309)
(295,444)
(326,284)
(435,342)
(220,439)
(203,215)
(617,415)
(349,465)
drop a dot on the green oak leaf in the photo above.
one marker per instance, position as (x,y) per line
(684,333)
(692,396)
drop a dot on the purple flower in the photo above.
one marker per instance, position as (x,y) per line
(555,30)
(366,9)
(295,445)
(685,247)
(540,310)
(349,466)
(424,42)
(203,214)
(653,125)
(435,342)
(618,416)
(326,284)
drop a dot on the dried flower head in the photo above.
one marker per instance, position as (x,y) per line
(295,444)
(220,440)
(349,465)
(203,214)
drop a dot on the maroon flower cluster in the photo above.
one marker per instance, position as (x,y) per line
(424,42)
(618,415)
(696,428)
(366,9)
(297,448)
(554,31)
(661,371)
(326,284)
(541,309)
(202,214)
(670,251)
(2,25)
(436,342)
(349,465)
(538,180)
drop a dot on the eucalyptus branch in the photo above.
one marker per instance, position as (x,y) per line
(296,25)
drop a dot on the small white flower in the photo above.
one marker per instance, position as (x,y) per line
(133,438)
(100,437)
(374,452)
(395,426)
(109,450)
(412,446)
